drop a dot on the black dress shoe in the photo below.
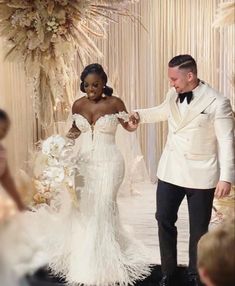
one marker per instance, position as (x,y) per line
(193,280)
(167,280)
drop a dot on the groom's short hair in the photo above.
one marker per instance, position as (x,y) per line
(184,62)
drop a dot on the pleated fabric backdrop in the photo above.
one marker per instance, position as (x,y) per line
(135,57)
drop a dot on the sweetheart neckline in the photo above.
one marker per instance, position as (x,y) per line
(94,123)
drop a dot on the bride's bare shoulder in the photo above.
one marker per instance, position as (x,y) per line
(78,104)
(118,102)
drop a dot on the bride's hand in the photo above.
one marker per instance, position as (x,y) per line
(134,120)
(72,135)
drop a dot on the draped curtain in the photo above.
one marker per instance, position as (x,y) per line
(136,54)
(16,100)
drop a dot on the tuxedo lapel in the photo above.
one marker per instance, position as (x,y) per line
(175,110)
(200,103)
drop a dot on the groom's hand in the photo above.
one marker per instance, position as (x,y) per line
(134,120)
(222,189)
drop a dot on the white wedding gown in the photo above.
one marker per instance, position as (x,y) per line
(97,250)
(85,242)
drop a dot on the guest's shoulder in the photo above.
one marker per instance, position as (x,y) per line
(2,148)
(3,152)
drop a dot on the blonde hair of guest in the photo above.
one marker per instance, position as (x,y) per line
(216,255)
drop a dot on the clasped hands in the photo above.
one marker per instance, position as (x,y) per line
(134,120)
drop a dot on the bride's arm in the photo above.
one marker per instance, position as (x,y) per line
(121,108)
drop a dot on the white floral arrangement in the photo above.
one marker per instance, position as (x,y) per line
(54,171)
(46,35)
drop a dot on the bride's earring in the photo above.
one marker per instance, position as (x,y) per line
(103,95)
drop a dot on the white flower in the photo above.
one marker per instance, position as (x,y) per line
(123,115)
(54,174)
(40,163)
(69,181)
(53,145)
(51,161)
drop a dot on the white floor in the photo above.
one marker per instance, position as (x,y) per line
(139,211)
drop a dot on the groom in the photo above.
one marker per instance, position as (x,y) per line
(197,162)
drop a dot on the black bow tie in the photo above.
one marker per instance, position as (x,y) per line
(188,95)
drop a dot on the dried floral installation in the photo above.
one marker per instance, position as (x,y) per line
(225,14)
(224,208)
(46,35)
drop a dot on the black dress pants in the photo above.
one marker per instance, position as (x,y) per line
(169,198)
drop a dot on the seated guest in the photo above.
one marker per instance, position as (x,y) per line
(6,179)
(216,256)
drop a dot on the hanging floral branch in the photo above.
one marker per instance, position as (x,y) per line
(46,35)
(225,14)
(225,17)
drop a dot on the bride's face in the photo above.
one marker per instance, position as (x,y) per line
(93,85)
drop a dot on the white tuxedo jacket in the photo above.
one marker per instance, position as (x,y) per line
(200,144)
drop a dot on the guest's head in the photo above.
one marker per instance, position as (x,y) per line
(4,124)
(93,82)
(216,256)
(182,72)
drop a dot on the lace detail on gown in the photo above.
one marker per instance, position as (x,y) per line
(123,115)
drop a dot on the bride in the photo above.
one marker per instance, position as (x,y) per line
(95,248)
(82,239)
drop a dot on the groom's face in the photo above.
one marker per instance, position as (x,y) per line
(180,79)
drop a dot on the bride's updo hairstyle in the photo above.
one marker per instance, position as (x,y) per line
(96,69)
